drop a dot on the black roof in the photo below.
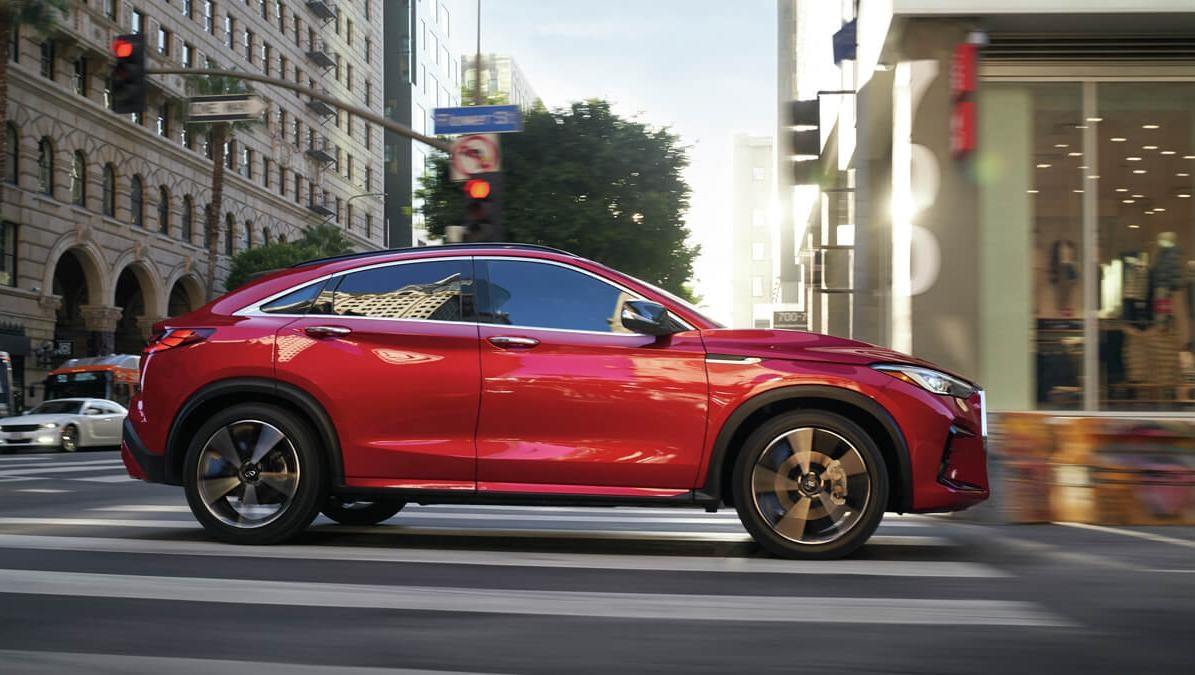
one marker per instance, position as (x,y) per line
(388,251)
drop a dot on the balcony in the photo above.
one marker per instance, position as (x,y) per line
(320,154)
(319,55)
(322,9)
(320,210)
(320,108)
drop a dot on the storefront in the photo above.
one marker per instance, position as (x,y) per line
(1019,193)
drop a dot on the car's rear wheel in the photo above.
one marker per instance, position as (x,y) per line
(348,512)
(69,441)
(254,475)
(810,484)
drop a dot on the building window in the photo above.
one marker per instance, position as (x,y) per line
(45,167)
(368,51)
(348,216)
(247,163)
(186,138)
(229,155)
(369,179)
(278,11)
(163,41)
(188,60)
(250,39)
(368,10)
(108,92)
(188,9)
(338,211)
(79,179)
(348,166)
(265,235)
(757,287)
(163,210)
(298,188)
(209,23)
(229,235)
(267,54)
(265,9)
(14,42)
(369,226)
(109,191)
(136,202)
(12,150)
(348,77)
(188,214)
(757,251)
(368,94)
(297,132)
(282,181)
(265,172)
(47,59)
(110,9)
(368,137)
(163,121)
(8,253)
(248,234)
(229,30)
(137,22)
(79,80)
(298,29)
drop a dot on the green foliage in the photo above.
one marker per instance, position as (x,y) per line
(41,15)
(588,181)
(318,241)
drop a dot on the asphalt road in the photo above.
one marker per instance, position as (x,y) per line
(99,573)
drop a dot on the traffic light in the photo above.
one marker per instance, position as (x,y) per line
(128,76)
(483,211)
(805,141)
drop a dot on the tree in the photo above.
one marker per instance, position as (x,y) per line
(221,133)
(41,15)
(586,180)
(318,241)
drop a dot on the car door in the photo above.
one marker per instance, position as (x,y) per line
(390,351)
(107,424)
(570,399)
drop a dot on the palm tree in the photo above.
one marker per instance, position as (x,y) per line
(41,15)
(210,85)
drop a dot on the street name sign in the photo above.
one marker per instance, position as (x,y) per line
(226,108)
(474,154)
(478,119)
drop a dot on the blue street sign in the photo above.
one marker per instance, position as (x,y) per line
(478,119)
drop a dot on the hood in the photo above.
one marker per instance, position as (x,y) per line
(802,346)
(36,419)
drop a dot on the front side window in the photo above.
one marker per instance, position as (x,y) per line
(439,290)
(542,295)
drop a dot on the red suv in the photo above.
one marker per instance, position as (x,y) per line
(520,374)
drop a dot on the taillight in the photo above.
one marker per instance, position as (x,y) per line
(176,337)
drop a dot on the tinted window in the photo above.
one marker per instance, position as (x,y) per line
(549,296)
(295,302)
(57,408)
(434,290)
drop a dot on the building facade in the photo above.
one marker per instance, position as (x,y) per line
(421,74)
(1017,182)
(102,219)
(501,78)
(753,170)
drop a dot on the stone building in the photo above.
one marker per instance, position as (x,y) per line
(102,216)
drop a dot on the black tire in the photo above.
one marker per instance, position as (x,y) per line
(825,479)
(301,452)
(348,512)
(70,438)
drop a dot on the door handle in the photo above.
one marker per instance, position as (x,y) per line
(327,331)
(510,342)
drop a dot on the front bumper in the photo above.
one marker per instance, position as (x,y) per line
(41,438)
(138,461)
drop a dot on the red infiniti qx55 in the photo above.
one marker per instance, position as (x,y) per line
(525,375)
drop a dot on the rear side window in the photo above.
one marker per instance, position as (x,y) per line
(295,302)
(437,290)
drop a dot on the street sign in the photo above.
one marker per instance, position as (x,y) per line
(226,108)
(474,154)
(790,320)
(478,119)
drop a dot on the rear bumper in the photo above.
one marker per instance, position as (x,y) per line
(140,462)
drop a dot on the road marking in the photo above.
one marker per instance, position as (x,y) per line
(21,662)
(55,465)
(1148,536)
(450,531)
(24,458)
(648,606)
(645,563)
(59,469)
(43,491)
(117,478)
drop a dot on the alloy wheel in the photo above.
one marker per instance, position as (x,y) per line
(247,474)
(811,486)
(70,439)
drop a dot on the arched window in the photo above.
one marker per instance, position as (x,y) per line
(79,179)
(265,235)
(229,234)
(109,191)
(163,210)
(136,202)
(188,209)
(248,234)
(209,237)
(282,238)
(12,153)
(45,166)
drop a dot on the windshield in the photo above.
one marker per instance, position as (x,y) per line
(57,408)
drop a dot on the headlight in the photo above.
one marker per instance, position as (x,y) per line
(930,380)
(49,425)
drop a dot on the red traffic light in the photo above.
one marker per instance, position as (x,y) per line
(123,49)
(477,188)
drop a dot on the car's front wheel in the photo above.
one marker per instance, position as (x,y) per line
(69,441)
(348,512)
(810,484)
(254,475)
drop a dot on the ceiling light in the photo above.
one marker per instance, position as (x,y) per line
(1167,152)
(1083,167)
(1093,177)
(1149,147)
(1062,145)
(1122,189)
(1149,126)
(1044,166)
(1188,156)
(1080,126)
(1128,201)
(1158,209)
(1032,192)
(1138,196)
(1074,154)
(1118,139)
(1184,195)
(1139,171)
(1077,191)
(1182,174)
(1134,227)
(1095,119)
(1133,159)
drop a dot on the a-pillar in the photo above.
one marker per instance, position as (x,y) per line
(100,321)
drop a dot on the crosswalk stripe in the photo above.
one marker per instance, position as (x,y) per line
(19,662)
(25,458)
(56,465)
(115,478)
(737,565)
(456,531)
(642,606)
(56,470)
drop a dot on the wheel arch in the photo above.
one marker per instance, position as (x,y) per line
(858,408)
(249,390)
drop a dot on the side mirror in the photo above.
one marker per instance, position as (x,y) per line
(646,317)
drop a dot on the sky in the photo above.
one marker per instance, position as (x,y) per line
(704,68)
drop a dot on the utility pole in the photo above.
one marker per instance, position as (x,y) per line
(477,61)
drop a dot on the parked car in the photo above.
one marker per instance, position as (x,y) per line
(66,424)
(526,375)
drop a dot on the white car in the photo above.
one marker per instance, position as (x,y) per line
(65,423)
